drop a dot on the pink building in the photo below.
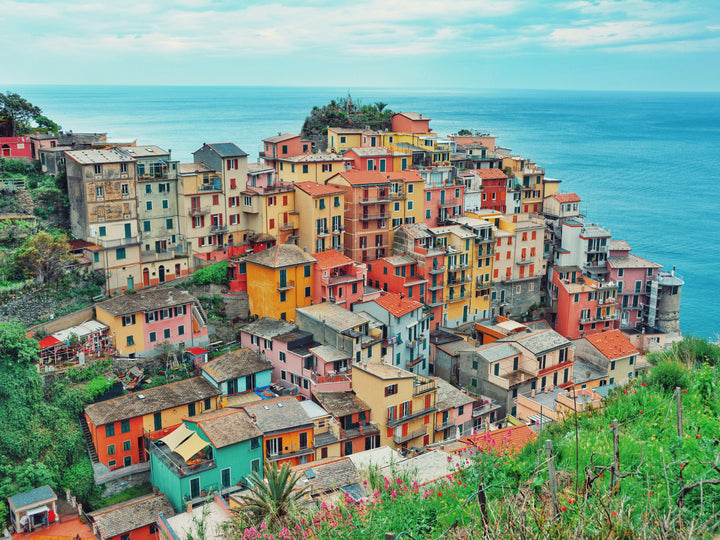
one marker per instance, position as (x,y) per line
(410,122)
(15,147)
(172,325)
(443,201)
(371,159)
(338,279)
(634,277)
(454,412)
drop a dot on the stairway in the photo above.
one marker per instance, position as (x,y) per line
(88,439)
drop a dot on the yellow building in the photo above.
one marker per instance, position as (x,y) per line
(322,208)
(311,167)
(423,147)
(407,200)
(280,279)
(402,404)
(341,139)
(200,193)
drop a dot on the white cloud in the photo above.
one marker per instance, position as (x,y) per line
(614,33)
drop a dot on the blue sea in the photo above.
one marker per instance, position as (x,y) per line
(646,164)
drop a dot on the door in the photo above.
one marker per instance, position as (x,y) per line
(225,477)
(303,441)
(157,418)
(141,449)
(194,488)
(128,230)
(131,282)
(177,270)
(161,274)
(348,448)
(146,277)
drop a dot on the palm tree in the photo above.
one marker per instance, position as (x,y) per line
(273,499)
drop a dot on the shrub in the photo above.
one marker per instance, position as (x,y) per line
(217,273)
(668,375)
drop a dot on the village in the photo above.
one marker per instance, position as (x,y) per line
(396,298)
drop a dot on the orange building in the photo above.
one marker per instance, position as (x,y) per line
(280,279)
(287,430)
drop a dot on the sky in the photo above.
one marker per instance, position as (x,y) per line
(533,44)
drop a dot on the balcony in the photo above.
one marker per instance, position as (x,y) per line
(289,454)
(436,287)
(437,270)
(380,199)
(367,428)
(218,229)
(458,267)
(460,281)
(438,302)
(450,422)
(339,279)
(421,386)
(286,286)
(397,195)
(289,226)
(118,242)
(156,256)
(322,233)
(392,422)
(216,185)
(400,439)
(178,465)
(374,215)
(607,300)
(460,298)
(525,260)
(198,211)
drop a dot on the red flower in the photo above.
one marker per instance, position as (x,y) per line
(564,508)
(640,412)
(439,494)
(650,492)
(643,384)
(698,435)
(684,391)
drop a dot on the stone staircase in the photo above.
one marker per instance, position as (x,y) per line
(88,438)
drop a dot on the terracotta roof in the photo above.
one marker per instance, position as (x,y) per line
(281,137)
(355,177)
(130,515)
(491,174)
(449,397)
(80,244)
(279,415)
(397,305)
(511,439)
(566,197)
(631,261)
(405,176)
(371,151)
(341,404)
(130,303)
(331,259)
(318,190)
(612,344)
(280,256)
(236,364)
(226,427)
(151,400)
(191,168)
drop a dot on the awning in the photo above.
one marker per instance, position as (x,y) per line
(191,447)
(177,437)
(38,510)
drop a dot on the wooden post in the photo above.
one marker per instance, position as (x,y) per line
(616,453)
(389,536)
(551,471)
(678,408)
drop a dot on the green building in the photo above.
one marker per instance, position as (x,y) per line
(213,451)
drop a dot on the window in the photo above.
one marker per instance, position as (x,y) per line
(281,356)
(308,292)
(96,257)
(191,409)
(125,426)
(166,333)
(125,189)
(146,226)
(410,188)
(152,337)
(283,296)
(148,205)
(410,205)
(148,188)
(336,202)
(102,230)
(128,320)
(322,204)
(169,223)
(130,341)
(612,365)
(307,270)
(127,446)
(255,466)
(111,450)
(112,464)
(120,253)
(110,430)
(391,390)
(496,369)
(98,169)
(165,204)
(247,200)
(473,382)
(181,330)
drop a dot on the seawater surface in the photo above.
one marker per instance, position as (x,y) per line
(646,164)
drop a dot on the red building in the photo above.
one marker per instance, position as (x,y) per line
(367,199)
(410,122)
(399,274)
(338,279)
(494,189)
(283,145)
(371,159)
(584,306)
(15,147)
(135,519)
(443,201)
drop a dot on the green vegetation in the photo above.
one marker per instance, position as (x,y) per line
(17,115)
(216,273)
(347,113)
(125,495)
(40,438)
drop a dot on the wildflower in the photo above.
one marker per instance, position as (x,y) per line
(698,436)
(656,524)
(650,492)
(639,412)
(602,475)
(563,508)
(439,494)
(684,391)
(643,384)
(399,481)
(614,513)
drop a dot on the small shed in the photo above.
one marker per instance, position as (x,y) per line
(197,356)
(33,509)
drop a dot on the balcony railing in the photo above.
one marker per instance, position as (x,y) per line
(399,438)
(218,229)
(380,199)
(285,454)
(199,210)
(373,215)
(211,186)
(446,424)
(437,269)
(285,286)
(423,387)
(458,267)
(458,298)
(178,466)
(436,287)
(118,242)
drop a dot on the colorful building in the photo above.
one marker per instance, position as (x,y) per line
(494,188)
(402,404)
(400,274)
(322,207)
(351,426)
(341,139)
(281,146)
(141,322)
(407,200)
(287,431)
(135,518)
(454,416)
(444,198)
(584,306)
(268,206)
(213,451)
(367,200)
(371,159)
(612,352)
(281,280)
(316,167)
(235,372)
(16,147)
(118,427)
(103,210)
(338,279)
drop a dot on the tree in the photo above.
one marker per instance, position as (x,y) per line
(19,111)
(273,500)
(379,105)
(44,256)
(465,133)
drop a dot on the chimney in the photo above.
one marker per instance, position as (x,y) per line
(552,387)
(532,393)
(79,509)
